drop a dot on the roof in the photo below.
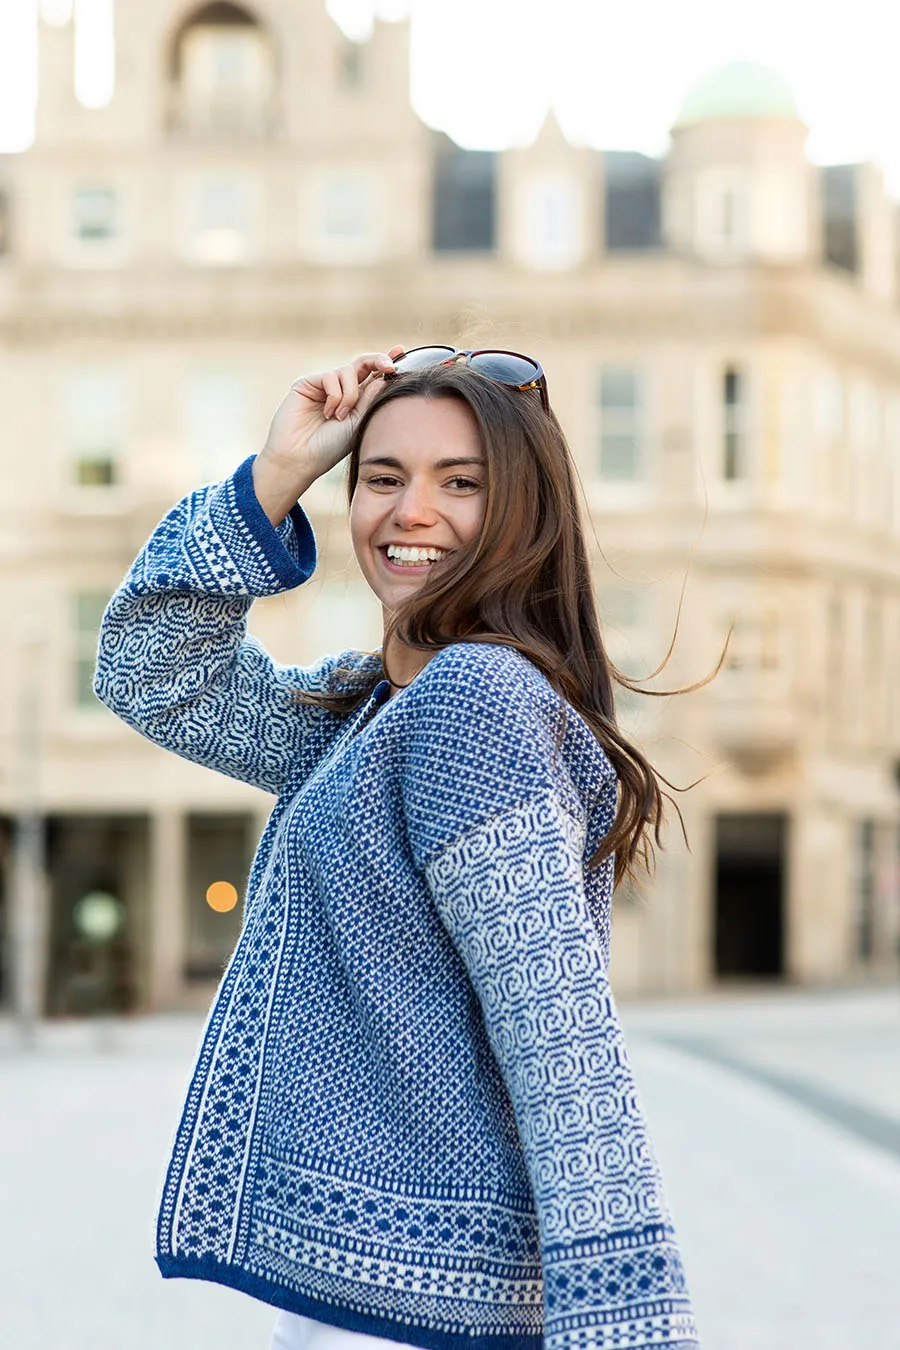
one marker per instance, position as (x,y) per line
(741,89)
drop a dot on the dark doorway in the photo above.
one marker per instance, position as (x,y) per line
(91,968)
(751,864)
(220,851)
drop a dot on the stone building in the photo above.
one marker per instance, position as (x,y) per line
(721,334)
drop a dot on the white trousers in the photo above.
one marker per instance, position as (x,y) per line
(292,1332)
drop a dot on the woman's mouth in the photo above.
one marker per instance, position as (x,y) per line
(412,559)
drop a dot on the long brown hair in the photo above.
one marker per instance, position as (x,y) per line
(524,582)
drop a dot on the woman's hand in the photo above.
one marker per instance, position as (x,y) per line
(312,429)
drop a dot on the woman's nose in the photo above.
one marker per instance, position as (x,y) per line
(415,506)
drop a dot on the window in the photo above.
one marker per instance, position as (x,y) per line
(222,221)
(87,612)
(465,200)
(95,214)
(341,215)
(722,212)
(840,224)
(550,228)
(232,60)
(756,647)
(223,81)
(224,59)
(217,423)
(729,216)
(624,618)
(830,405)
(94,425)
(619,607)
(829,415)
(866,447)
(873,668)
(734,439)
(351,65)
(621,425)
(632,188)
(347,207)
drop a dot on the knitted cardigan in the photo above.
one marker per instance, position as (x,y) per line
(411,1113)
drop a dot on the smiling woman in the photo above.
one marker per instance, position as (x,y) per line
(411,500)
(412,1116)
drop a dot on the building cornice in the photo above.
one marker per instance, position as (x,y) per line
(662,298)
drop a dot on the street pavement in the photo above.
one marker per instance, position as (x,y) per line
(775,1115)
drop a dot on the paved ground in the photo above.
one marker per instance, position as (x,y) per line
(776,1117)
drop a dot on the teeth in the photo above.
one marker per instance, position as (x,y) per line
(414,555)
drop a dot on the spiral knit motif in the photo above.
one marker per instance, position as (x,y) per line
(412,1112)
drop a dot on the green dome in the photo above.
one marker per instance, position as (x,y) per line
(741,89)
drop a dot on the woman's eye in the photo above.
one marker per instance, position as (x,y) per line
(379,480)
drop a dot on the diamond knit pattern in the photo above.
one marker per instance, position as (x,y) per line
(411,1113)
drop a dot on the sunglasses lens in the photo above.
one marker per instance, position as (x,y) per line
(420,358)
(506,367)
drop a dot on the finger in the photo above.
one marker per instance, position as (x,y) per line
(333,392)
(349,391)
(395,352)
(372,363)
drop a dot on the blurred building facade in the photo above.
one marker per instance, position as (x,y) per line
(721,332)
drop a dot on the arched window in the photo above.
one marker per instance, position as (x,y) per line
(222,77)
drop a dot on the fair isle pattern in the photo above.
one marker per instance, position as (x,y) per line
(411,1113)
(512,898)
(176,632)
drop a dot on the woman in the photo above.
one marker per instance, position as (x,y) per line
(412,1116)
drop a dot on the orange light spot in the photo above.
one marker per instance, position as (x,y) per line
(221,896)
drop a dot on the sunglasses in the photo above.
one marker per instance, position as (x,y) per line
(509,368)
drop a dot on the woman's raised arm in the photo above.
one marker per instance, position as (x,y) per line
(174,658)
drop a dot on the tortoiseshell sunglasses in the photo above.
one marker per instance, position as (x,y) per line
(510,368)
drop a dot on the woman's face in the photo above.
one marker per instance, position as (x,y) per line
(422,485)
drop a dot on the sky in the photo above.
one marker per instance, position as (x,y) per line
(486,71)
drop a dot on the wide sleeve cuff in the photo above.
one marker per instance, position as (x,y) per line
(289,551)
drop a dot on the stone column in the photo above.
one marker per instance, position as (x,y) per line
(819,913)
(168,865)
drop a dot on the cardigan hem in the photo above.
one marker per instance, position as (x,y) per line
(334,1314)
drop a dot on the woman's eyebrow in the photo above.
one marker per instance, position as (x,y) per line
(393,463)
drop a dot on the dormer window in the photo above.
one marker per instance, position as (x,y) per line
(222,75)
(549,225)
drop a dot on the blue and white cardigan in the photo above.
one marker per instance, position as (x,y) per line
(412,1112)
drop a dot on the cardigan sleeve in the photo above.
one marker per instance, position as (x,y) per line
(501,826)
(174,659)
(512,897)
